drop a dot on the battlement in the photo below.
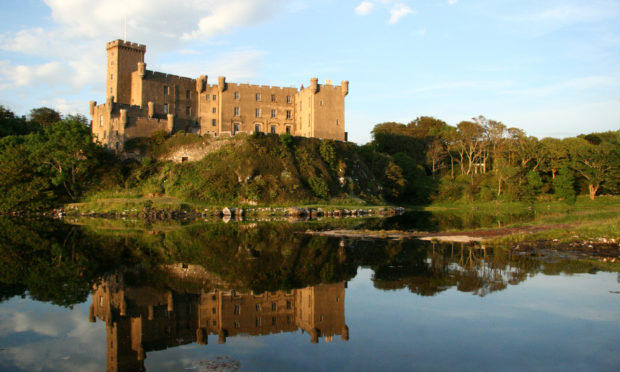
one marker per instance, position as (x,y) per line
(126,44)
(160,76)
(256,86)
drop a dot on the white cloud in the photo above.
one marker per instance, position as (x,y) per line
(452,2)
(20,75)
(365,8)
(224,17)
(236,66)
(398,11)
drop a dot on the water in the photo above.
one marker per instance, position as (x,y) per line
(255,297)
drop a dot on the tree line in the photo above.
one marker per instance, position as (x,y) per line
(47,160)
(482,159)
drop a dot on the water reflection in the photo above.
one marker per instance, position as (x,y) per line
(144,319)
(191,289)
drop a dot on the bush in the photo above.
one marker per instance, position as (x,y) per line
(319,187)
(564,185)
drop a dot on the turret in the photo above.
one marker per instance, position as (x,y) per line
(201,83)
(92,105)
(170,302)
(109,104)
(221,83)
(141,69)
(170,123)
(345,333)
(201,336)
(345,87)
(123,117)
(151,109)
(314,85)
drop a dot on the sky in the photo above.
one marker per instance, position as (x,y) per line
(551,68)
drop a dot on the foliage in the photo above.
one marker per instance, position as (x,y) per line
(319,187)
(564,185)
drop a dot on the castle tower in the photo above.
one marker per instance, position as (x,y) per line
(123,59)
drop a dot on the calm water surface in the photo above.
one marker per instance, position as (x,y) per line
(255,297)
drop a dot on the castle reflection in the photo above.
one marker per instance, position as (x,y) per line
(140,319)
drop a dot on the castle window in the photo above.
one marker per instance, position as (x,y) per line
(236,94)
(236,325)
(166,90)
(258,96)
(188,110)
(273,98)
(257,113)
(187,94)
(256,128)
(213,310)
(165,108)
(236,310)
(273,129)
(213,122)
(257,322)
(321,103)
(213,110)
(235,128)
(288,129)
(101,120)
(288,99)
(273,113)
(273,306)
(337,122)
(288,114)
(214,97)
(257,307)
(111,76)
(207,96)
(273,320)
(288,305)
(236,111)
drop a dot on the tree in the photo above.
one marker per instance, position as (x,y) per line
(595,163)
(10,124)
(67,149)
(555,155)
(564,185)
(44,116)
(469,144)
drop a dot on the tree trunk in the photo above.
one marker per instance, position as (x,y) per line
(593,190)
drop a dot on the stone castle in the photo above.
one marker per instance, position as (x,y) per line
(140,102)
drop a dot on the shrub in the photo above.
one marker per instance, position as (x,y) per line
(319,187)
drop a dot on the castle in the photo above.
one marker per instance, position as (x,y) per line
(141,319)
(140,102)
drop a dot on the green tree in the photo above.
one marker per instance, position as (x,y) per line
(597,164)
(44,116)
(564,185)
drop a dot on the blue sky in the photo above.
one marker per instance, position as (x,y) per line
(549,67)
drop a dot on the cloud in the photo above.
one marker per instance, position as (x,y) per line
(224,17)
(12,76)
(452,2)
(398,11)
(238,65)
(365,8)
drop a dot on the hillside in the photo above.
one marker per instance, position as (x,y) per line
(246,170)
